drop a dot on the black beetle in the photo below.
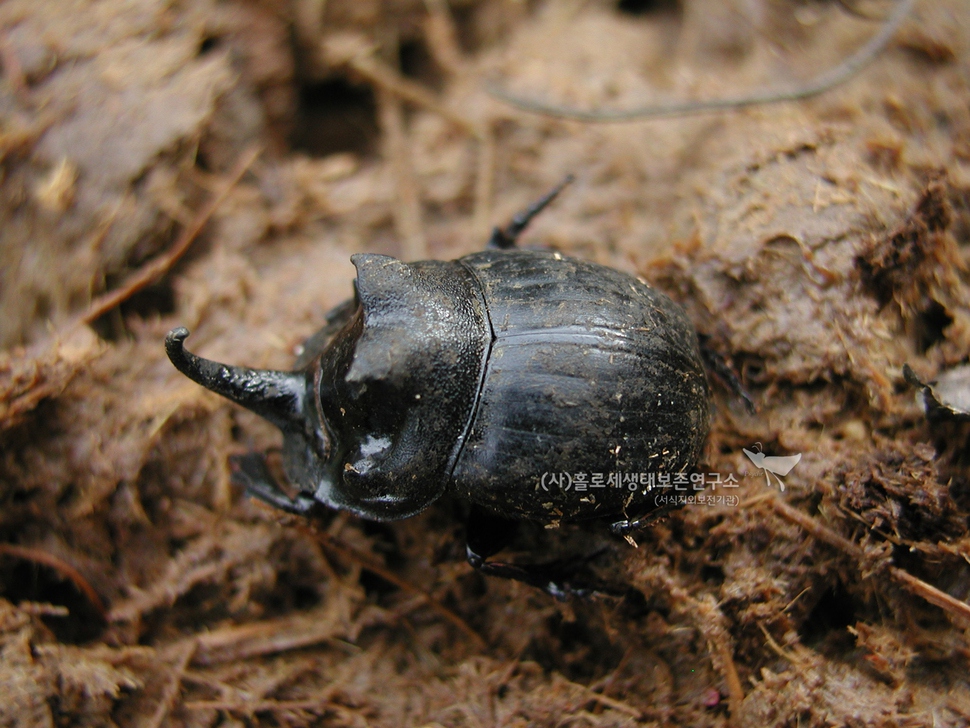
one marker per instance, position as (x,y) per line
(497,376)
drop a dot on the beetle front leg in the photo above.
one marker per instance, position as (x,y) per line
(487,534)
(250,471)
(535,575)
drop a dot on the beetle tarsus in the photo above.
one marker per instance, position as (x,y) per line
(505,239)
(250,472)
(629,526)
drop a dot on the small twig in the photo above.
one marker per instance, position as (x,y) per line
(407,208)
(253,706)
(798,596)
(484,184)
(710,622)
(331,542)
(257,639)
(723,644)
(913,584)
(390,81)
(16,136)
(13,69)
(44,609)
(815,527)
(397,148)
(777,648)
(930,593)
(157,267)
(442,36)
(183,656)
(61,567)
(387,78)
(618,705)
(606,683)
(823,82)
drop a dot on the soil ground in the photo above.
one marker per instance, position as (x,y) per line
(215,164)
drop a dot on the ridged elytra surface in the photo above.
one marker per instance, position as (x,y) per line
(589,372)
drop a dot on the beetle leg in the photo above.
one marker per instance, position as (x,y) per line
(251,473)
(487,534)
(556,579)
(717,364)
(628,526)
(535,575)
(504,239)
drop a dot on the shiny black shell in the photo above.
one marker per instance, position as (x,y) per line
(501,376)
(589,371)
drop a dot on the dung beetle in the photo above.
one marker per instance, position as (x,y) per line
(501,377)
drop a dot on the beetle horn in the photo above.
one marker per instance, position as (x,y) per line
(276,396)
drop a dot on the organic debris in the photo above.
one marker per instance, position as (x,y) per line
(215,164)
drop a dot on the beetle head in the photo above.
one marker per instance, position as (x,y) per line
(374,423)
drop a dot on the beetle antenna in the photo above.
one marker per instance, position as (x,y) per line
(504,239)
(276,396)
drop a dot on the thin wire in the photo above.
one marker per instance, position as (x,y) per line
(823,82)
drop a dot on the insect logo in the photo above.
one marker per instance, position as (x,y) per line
(777,466)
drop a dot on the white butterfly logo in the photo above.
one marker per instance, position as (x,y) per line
(778,466)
